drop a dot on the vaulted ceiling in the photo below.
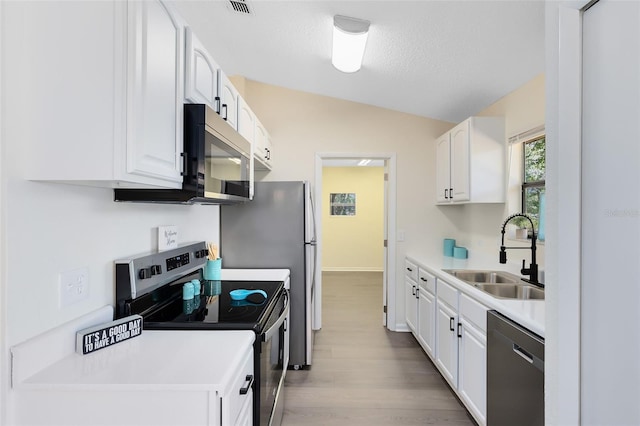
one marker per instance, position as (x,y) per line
(446,60)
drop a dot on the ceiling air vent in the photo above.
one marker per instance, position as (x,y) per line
(240,6)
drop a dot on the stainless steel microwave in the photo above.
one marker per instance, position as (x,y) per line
(216,164)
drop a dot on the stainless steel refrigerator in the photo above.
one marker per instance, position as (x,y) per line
(277,230)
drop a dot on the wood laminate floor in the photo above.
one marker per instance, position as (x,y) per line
(363,374)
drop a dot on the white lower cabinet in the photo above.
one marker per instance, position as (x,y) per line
(410,296)
(462,347)
(446,335)
(426,311)
(451,328)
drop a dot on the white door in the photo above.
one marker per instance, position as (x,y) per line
(610,309)
(443,169)
(229,100)
(460,152)
(155,94)
(201,82)
(426,320)
(411,304)
(472,379)
(447,343)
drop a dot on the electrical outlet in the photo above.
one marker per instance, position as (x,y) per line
(73,286)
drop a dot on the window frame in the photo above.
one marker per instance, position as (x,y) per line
(531,184)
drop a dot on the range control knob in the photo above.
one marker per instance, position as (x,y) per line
(144,273)
(202,253)
(156,270)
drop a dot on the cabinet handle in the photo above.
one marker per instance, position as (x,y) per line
(459,329)
(417,292)
(413,290)
(224,108)
(183,172)
(451,324)
(217,100)
(249,379)
(268,154)
(409,269)
(446,194)
(423,279)
(451,193)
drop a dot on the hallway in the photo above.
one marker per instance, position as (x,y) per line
(363,374)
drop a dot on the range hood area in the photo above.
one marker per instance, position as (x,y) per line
(216,163)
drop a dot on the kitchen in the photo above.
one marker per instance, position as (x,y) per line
(45,217)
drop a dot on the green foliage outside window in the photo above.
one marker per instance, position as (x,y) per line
(533,187)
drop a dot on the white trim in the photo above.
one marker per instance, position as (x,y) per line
(563,122)
(390,159)
(5,372)
(351,269)
(527,135)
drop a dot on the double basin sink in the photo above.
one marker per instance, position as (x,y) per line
(500,284)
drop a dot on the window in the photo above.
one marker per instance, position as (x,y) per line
(342,204)
(533,189)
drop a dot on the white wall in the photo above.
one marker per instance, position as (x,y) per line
(479,224)
(302,124)
(48,228)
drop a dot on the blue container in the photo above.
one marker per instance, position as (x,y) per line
(449,244)
(212,269)
(187,291)
(460,252)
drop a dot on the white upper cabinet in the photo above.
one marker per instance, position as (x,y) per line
(470,162)
(201,72)
(154,91)
(246,120)
(228,100)
(262,147)
(110,111)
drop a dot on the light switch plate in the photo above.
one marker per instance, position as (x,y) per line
(73,286)
(167,237)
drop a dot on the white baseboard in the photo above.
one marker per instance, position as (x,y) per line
(350,269)
(402,328)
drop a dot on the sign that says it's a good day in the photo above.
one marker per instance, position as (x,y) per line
(103,335)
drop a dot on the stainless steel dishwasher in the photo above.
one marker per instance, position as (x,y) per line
(515,373)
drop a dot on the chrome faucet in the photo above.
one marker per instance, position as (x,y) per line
(532,270)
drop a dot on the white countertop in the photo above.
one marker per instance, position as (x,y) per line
(528,313)
(254,274)
(156,360)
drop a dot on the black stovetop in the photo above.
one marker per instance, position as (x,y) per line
(213,309)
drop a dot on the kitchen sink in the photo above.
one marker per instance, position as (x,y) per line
(500,284)
(512,291)
(484,276)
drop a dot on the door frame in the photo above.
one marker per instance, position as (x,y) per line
(563,45)
(389,273)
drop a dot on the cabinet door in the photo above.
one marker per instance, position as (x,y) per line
(154,91)
(460,151)
(411,304)
(472,381)
(262,147)
(426,321)
(201,82)
(246,121)
(229,100)
(447,343)
(443,169)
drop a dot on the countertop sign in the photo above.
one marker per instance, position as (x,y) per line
(103,335)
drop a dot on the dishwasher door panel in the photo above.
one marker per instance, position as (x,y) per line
(515,373)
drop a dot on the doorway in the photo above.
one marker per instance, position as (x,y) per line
(388,161)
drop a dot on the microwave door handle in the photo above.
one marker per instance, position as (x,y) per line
(276,327)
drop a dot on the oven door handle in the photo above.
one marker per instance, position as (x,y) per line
(275,327)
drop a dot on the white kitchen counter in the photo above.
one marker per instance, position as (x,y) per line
(529,313)
(254,274)
(156,360)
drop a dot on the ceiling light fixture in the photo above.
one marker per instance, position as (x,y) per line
(349,40)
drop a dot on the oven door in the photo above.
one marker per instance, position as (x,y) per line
(274,359)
